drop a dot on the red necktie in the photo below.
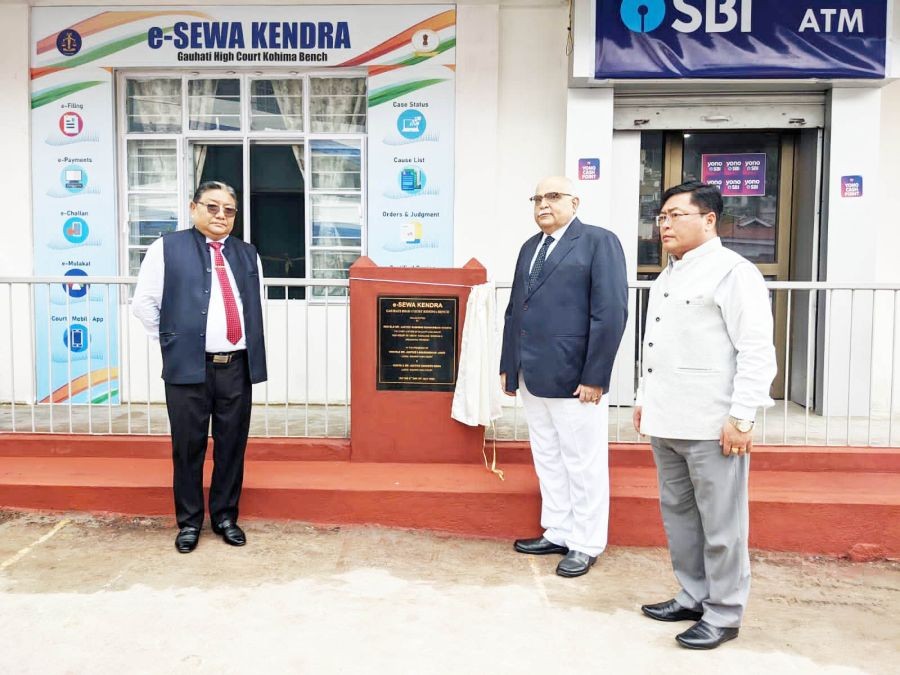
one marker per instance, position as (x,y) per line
(232,320)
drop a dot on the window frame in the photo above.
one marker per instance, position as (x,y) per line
(246,138)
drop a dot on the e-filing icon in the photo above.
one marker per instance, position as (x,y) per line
(642,16)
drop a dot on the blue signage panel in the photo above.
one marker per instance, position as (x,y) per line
(760,39)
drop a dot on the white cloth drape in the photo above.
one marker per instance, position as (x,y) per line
(477,398)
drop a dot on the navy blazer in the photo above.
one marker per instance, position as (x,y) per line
(566,330)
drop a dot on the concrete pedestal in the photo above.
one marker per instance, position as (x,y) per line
(404,426)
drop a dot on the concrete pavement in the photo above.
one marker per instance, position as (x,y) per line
(83,594)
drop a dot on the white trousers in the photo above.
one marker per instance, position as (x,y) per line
(569,443)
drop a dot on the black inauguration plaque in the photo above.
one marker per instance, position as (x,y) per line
(417,343)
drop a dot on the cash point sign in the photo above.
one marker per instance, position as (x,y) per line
(407,53)
(759,39)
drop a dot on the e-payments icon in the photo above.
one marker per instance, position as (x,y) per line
(74,178)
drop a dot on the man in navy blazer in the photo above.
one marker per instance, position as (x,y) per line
(564,322)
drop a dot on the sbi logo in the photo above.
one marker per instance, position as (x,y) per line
(716,16)
(642,16)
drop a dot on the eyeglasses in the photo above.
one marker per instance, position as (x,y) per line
(665,218)
(213,209)
(549,196)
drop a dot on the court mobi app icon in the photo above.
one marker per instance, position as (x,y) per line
(642,16)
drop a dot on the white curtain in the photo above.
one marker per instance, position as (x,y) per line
(154,106)
(335,165)
(289,94)
(338,104)
(152,165)
(199,161)
(201,101)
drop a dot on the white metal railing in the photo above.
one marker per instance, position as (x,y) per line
(837,348)
(837,344)
(307,342)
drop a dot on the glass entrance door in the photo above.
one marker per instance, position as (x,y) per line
(756,171)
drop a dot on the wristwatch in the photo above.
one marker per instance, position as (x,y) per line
(741,425)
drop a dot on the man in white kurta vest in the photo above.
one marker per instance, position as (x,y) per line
(708,363)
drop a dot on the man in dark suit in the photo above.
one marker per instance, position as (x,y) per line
(564,322)
(199,292)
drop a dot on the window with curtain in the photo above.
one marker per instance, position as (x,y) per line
(153,112)
(176,127)
(276,105)
(338,104)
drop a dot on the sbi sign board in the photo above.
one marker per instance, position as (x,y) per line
(760,39)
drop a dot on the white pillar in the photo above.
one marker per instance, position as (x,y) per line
(850,250)
(609,198)
(477,77)
(16,258)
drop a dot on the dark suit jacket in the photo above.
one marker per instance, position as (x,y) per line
(566,330)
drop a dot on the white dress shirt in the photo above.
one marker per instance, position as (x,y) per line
(556,237)
(149,291)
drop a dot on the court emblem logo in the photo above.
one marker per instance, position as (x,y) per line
(68,42)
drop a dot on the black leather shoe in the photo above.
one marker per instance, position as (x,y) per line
(187,539)
(538,546)
(575,564)
(670,610)
(703,636)
(230,532)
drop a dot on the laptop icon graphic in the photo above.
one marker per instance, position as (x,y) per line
(74,179)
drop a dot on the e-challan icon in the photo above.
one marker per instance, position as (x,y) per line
(75,230)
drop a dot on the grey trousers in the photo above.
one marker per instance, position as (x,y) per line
(703,499)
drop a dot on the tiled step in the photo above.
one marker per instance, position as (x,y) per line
(766,458)
(822,511)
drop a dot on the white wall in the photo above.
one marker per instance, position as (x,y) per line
(511,87)
(887,371)
(16,228)
(531,133)
(477,95)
